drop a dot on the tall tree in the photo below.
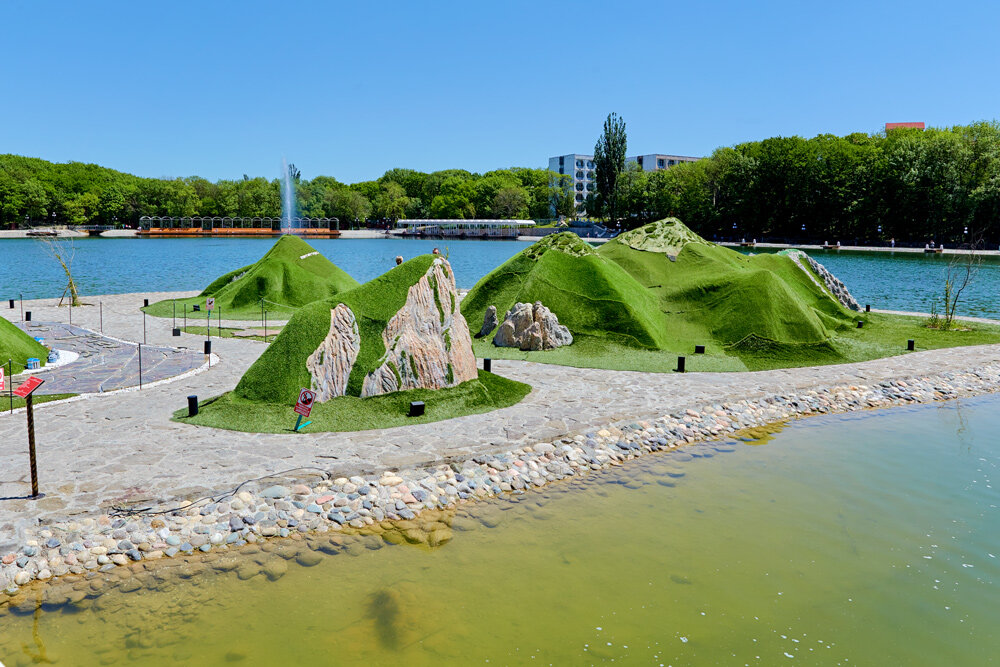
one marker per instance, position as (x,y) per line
(609,161)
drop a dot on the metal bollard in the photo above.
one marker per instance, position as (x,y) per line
(192,406)
(861,323)
(208,347)
(145,303)
(27,316)
(911,345)
(11,302)
(177,332)
(699,349)
(488,365)
(680,364)
(416,408)
(868,308)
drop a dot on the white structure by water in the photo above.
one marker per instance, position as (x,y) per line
(508,229)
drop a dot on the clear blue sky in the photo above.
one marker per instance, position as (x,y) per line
(219,89)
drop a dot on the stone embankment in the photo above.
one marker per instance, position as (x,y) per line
(83,549)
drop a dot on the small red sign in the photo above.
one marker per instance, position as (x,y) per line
(3,383)
(305,404)
(210,303)
(30,385)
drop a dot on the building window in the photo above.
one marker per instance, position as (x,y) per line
(579,197)
(561,158)
(561,169)
(579,163)
(579,174)
(590,164)
(590,175)
(579,187)
(661,163)
(590,187)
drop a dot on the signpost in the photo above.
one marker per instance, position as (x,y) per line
(25,391)
(209,306)
(303,407)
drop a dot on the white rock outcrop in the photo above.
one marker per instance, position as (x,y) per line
(532,327)
(427,342)
(330,365)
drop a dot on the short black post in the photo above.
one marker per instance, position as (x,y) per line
(176,331)
(699,349)
(208,347)
(861,323)
(488,365)
(868,308)
(145,303)
(11,303)
(680,364)
(192,406)
(27,316)
(911,345)
(416,408)
(140,364)
(31,445)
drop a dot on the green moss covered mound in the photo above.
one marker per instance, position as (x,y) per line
(279,373)
(19,346)
(590,294)
(668,236)
(290,275)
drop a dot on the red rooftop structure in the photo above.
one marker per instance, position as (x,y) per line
(896,126)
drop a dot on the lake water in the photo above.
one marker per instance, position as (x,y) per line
(845,540)
(895,281)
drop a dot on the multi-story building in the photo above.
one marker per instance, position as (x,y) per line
(580,169)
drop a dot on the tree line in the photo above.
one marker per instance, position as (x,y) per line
(32,190)
(910,185)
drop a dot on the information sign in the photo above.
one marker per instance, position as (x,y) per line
(210,303)
(305,403)
(30,385)
(3,382)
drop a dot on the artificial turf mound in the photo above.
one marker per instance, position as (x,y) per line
(656,292)
(261,400)
(590,294)
(290,275)
(18,346)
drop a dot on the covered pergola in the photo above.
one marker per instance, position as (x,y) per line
(464,228)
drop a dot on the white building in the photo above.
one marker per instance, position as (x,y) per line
(580,169)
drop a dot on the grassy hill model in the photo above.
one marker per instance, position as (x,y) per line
(290,275)
(19,346)
(367,353)
(656,292)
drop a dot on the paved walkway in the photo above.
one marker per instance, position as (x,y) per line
(124,447)
(106,364)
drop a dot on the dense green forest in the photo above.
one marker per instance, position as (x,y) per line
(910,185)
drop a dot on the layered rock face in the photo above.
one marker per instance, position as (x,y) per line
(832,282)
(489,322)
(427,342)
(330,365)
(532,327)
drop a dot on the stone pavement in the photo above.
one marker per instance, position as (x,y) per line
(123,447)
(105,364)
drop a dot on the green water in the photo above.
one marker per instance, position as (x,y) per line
(859,540)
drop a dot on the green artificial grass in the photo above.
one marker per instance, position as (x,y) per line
(588,293)
(289,276)
(279,373)
(351,413)
(18,346)
(671,290)
(5,402)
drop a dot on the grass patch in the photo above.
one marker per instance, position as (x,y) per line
(289,276)
(351,413)
(5,403)
(19,346)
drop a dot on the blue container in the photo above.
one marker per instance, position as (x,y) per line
(33,364)
(53,357)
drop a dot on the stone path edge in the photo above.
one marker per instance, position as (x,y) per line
(91,546)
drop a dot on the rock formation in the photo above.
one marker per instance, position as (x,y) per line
(532,327)
(489,322)
(427,341)
(837,288)
(330,365)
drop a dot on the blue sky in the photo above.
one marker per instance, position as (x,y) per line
(219,89)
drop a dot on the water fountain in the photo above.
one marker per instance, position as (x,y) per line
(287,196)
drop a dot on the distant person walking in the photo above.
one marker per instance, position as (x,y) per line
(399,260)
(892,242)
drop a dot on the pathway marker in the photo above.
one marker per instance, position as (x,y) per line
(25,391)
(303,407)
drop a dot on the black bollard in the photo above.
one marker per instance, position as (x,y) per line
(192,406)
(27,316)
(911,345)
(208,347)
(11,301)
(868,308)
(416,408)
(488,365)
(699,349)
(145,303)
(861,323)
(196,308)
(680,364)
(177,332)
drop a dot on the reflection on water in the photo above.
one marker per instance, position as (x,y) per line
(866,539)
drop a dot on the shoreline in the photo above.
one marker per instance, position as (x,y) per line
(308,505)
